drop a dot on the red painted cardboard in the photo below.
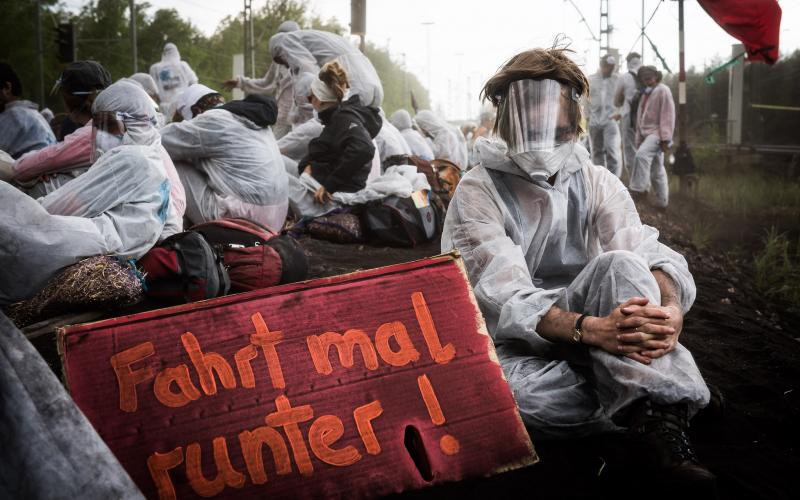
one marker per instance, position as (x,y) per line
(418,409)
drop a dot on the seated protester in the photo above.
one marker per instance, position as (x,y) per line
(418,145)
(45,170)
(119,207)
(78,85)
(228,160)
(448,142)
(22,127)
(339,159)
(583,302)
(305,125)
(148,84)
(392,148)
(194,100)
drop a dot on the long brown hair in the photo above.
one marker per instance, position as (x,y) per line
(535,64)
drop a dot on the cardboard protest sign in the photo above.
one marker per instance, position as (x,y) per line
(358,385)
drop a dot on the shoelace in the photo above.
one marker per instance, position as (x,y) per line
(670,423)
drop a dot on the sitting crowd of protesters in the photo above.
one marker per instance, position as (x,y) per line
(584,303)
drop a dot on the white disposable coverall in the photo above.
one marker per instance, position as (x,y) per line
(448,141)
(626,85)
(579,245)
(655,123)
(172,76)
(390,141)
(419,146)
(603,130)
(230,167)
(309,50)
(23,129)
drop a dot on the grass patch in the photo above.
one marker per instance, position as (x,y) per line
(778,269)
(739,193)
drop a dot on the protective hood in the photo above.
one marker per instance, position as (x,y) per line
(289,49)
(189,98)
(147,83)
(170,53)
(260,109)
(287,26)
(137,109)
(401,119)
(431,123)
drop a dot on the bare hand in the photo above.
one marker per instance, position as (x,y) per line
(665,148)
(322,196)
(657,328)
(604,333)
(307,170)
(230,84)
(616,116)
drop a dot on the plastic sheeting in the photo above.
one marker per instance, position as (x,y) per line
(23,129)
(309,50)
(118,207)
(238,158)
(448,142)
(295,143)
(171,75)
(418,145)
(49,449)
(390,141)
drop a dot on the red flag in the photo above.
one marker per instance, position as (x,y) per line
(756,23)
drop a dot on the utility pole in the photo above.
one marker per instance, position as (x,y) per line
(134,48)
(684,163)
(605,28)
(358,21)
(40,51)
(249,52)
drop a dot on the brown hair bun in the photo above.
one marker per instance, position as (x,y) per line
(334,76)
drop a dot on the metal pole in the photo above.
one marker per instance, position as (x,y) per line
(681,79)
(252,44)
(642,32)
(134,48)
(39,51)
(428,50)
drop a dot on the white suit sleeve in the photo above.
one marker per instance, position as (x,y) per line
(618,227)
(498,271)
(191,77)
(184,140)
(267,85)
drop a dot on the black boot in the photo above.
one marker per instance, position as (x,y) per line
(659,435)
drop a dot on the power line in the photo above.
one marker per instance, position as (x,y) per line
(641,34)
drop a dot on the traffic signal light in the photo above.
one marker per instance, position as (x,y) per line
(65,38)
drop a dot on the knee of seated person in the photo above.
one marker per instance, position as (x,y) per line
(623,261)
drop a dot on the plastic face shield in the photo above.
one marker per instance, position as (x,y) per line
(541,115)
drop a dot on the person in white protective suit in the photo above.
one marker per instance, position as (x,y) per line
(277,82)
(171,75)
(603,117)
(195,100)
(305,124)
(120,206)
(448,142)
(401,119)
(655,124)
(308,50)
(392,147)
(229,162)
(626,99)
(583,302)
(22,127)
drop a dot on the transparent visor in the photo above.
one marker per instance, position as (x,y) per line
(541,115)
(108,130)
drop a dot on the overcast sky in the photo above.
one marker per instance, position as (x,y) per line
(469,39)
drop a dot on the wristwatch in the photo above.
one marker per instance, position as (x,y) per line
(577,333)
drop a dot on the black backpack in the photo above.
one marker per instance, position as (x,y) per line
(395,221)
(184,268)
